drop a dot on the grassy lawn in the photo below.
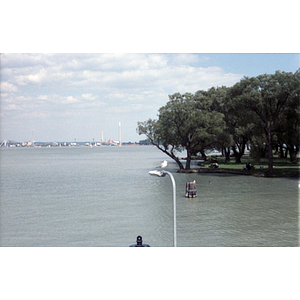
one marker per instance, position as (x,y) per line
(282,167)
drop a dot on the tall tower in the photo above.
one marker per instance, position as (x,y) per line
(120,134)
(33,138)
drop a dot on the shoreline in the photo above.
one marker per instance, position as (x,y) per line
(283,168)
(235,172)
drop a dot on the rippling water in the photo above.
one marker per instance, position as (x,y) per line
(104,196)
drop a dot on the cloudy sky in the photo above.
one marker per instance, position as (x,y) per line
(66,96)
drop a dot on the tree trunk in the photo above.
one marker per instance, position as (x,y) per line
(297,151)
(241,145)
(270,152)
(227,154)
(293,154)
(203,155)
(172,155)
(293,157)
(188,159)
(179,163)
(286,152)
(237,156)
(281,151)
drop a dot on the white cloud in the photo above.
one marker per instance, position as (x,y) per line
(11,107)
(130,108)
(69,99)
(8,87)
(98,89)
(88,96)
(111,71)
(33,115)
(42,97)
(26,60)
(185,59)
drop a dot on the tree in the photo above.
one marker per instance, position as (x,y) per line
(236,130)
(287,129)
(212,101)
(241,125)
(159,137)
(183,123)
(219,102)
(145,142)
(267,96)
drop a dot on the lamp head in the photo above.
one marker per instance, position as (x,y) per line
(157,173)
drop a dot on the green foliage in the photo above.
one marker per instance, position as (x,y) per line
(145,142)
(260,111)
(270,97)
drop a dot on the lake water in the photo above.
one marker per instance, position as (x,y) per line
(103,196)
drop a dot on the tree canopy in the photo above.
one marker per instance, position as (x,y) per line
(259,112)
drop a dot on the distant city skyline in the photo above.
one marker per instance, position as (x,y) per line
(66,96)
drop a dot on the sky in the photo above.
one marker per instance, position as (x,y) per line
(63,97)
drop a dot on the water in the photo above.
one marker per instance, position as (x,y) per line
(103,196)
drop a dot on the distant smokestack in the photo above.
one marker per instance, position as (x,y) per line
(120,134)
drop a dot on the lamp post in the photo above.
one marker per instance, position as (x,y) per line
(163,173)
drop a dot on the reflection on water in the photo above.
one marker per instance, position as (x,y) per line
(105,197)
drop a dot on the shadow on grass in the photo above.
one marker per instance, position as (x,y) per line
(282,167)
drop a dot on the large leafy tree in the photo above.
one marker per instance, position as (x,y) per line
(241,124)
(237,128)
(287,129)
(268,96)
(210,101)
(161,138)
(183,123)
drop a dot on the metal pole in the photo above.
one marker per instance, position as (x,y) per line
(174,208)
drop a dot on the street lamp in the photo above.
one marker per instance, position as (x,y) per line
(163,173)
